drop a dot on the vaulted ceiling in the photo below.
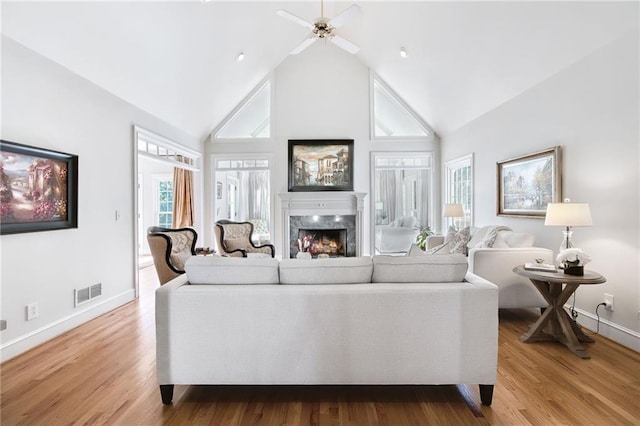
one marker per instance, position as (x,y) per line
(177,60)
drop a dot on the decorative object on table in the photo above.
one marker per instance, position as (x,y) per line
(323,256)
(567,214)
(526,184)
(572,261)
(540,266)
(321,165)
(38,189)
(452,211)
(421,239)
(304,247)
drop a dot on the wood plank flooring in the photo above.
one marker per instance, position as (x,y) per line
(103,373)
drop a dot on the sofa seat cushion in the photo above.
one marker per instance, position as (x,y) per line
(231,270)
(339,270)
(419,269)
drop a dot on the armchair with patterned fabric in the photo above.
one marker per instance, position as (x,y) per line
(234,239)
(170,249)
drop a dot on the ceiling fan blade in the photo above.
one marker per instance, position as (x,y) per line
(290,16)
(306,43)
(347,15)
(345,44)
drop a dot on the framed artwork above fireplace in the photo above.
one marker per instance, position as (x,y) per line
(321,165)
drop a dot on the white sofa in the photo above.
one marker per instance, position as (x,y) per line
(360,320)
(396,237)
(496,264)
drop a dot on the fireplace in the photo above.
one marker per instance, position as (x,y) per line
(323,231)
(324,212)
(330,242)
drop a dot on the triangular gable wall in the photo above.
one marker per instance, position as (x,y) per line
(251,119)
(391,117)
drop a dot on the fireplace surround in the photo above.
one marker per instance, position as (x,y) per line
(322,211)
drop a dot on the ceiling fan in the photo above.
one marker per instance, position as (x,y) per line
(323,28)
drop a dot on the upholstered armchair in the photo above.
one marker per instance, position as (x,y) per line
(234,239)
(170,249)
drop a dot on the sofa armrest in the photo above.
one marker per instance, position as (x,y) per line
(434,241)
(496,265)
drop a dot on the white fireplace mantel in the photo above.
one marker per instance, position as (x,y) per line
(321,203)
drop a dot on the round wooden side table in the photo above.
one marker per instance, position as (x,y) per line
(559,326)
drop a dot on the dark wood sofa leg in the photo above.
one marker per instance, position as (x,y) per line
(166,391)
(486,394)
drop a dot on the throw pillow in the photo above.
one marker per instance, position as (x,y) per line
(178,259)
(460,240)
(235,243)
(451,233)
(444,248)
(478,237)
(414,250)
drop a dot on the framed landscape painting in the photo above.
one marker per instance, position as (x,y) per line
(321,165)
(38,189)
(526,184)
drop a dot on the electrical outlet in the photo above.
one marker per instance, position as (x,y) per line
(608,301)
(32,311)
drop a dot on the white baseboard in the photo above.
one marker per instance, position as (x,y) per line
(36,337)
(617,333)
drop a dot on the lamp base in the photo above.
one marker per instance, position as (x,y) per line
(566,240)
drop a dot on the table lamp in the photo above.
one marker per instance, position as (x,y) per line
(452,211)
(567,214)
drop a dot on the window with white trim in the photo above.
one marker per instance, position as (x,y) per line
(459,188)
(251,119)
(163,200)
(391,117)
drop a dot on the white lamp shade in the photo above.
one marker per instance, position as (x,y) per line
(568,214)
(452,210)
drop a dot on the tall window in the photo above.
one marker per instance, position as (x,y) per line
(242,185)
(163,197)
(402,188)
(459,187)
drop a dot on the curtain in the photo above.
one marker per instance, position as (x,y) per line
(391,193)
(254,204)
(423,207)
(182,198)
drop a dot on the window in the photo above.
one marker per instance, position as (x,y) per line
(242,185)
(251,119)
(459,188)
(392,117)
(163,197)
(402,188)
(158,148)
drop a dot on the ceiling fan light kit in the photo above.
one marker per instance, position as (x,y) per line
(323,28)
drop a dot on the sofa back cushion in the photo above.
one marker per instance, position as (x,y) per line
(231,270)
(419,269)
(340,270)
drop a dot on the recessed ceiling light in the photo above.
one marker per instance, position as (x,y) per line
(403,52)
(240,56)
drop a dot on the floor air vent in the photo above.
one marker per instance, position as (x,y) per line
(83,295)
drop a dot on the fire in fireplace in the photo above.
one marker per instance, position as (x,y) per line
(332,242)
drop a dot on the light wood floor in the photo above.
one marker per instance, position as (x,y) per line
(103,372)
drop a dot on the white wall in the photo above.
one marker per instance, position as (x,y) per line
(47,106)
(322,93)
(591,109)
